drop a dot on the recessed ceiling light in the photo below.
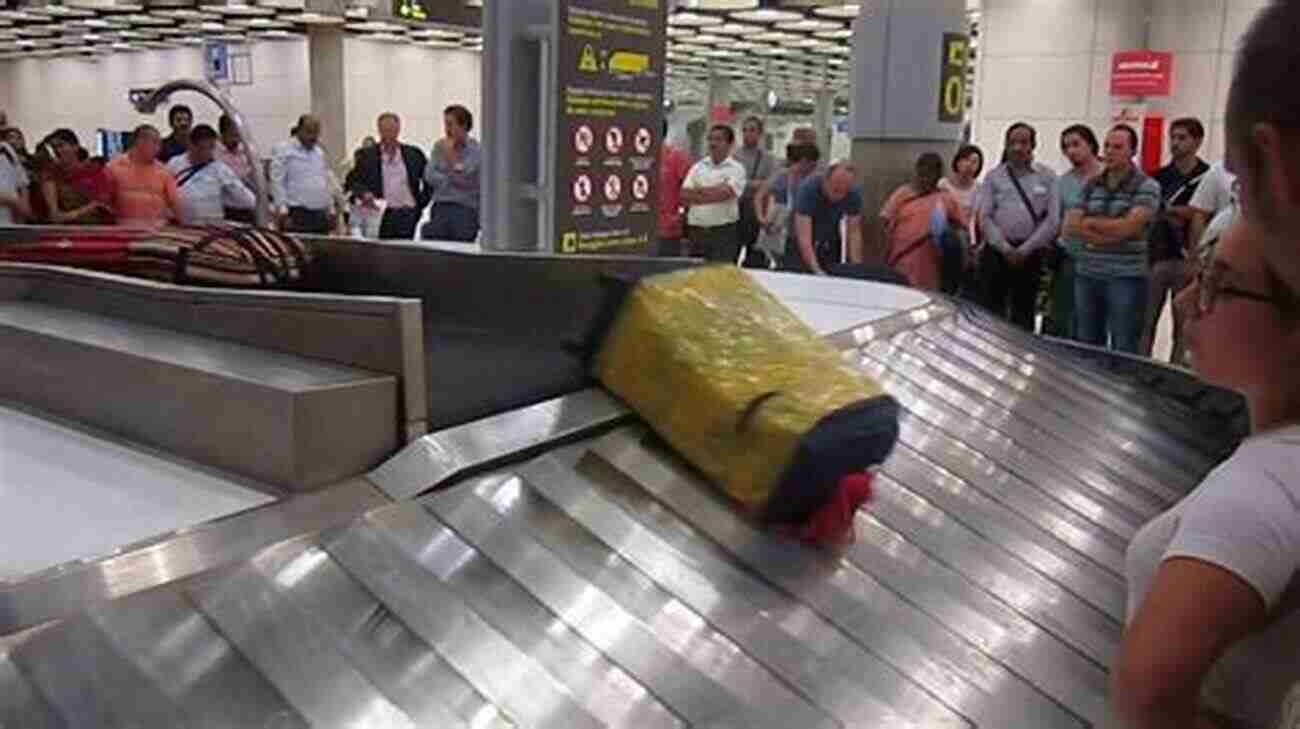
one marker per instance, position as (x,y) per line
(693,20)
(60,11)
(184,14)
(808,25)
(802,43)
(275,34)
(266,24)
(767,15)
(846,11)
(771,51)
(680,32)
(774,36)
(436,34)
(704,39)
(315,19)
(438,44)
(736,29)
(720,53)
(242,10)
(384,37)
(375,26)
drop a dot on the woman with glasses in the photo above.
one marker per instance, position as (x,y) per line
(1213,635)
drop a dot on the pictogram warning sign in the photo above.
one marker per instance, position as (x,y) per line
(582,189)
(569,243)
(613,188)
(614,140)
(588,62)
(644,138)
(583,139)
(640,187)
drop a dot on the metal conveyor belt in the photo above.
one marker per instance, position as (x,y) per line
(602,584)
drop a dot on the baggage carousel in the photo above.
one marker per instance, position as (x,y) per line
(408,507)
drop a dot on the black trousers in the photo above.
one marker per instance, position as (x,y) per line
(1010,292)
(302,220)
(236,215)
(399,223)
(718,243)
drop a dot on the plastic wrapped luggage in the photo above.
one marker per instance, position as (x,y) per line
(219,255)
(748,394)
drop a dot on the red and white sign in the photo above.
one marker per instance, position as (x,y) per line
(644,138)
(614,140)
(1142,73)
(582,189)
(640,187)
(583,139)
(613,188)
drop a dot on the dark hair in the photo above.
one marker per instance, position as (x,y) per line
(801,152)
(1132,135)
(752,120)
(143,129)
(64,136)
(929,168)
(1263,84)
(1033,133)
(727,132)
(461,115)
(1084,132)
(202,133)
(225,123)
(968,150)
(178,109)
(664,134)
(1191,125)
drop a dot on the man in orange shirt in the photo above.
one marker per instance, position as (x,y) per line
(144,193)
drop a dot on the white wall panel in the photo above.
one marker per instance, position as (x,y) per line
(41,95)
(416,83)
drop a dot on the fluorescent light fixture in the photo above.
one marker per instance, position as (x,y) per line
(693,20)
(843,11)
(767,15)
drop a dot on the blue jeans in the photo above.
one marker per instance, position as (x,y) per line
(1110,306)
(450,221)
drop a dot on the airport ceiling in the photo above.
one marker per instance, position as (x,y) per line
(793,48)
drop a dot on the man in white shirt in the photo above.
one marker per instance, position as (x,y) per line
(712,190)
(300,182)
(1214,194)
(206,185)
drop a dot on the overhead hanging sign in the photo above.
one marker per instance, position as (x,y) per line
(952,78)
(610,78)
(1142,73)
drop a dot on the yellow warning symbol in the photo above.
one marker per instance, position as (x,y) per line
(569,244)
(588,61)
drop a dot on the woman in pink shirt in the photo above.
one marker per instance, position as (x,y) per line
(144,193)
(907,214)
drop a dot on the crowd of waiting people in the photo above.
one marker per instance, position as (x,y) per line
(198,175)
(1091,255)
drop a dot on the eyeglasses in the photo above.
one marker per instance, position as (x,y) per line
(1210,286)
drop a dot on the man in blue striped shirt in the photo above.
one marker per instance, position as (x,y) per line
(1114,222)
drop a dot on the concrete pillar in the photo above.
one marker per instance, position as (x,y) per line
(719,95)
(894,117)
(823,121)
(328,93)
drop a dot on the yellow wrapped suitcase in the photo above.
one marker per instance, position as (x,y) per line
(743,389)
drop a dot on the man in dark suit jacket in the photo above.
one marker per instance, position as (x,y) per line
(394,172)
